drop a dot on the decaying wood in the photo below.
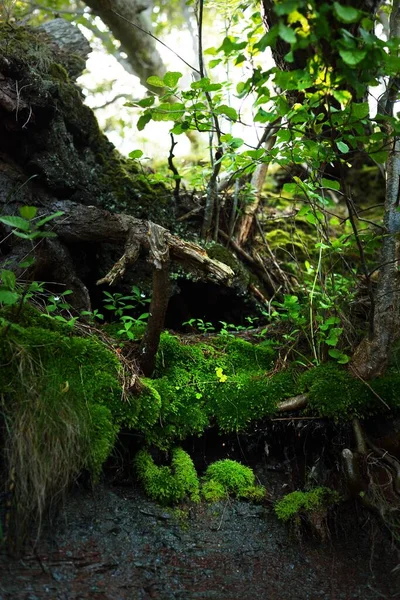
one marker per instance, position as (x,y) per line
(246,219)
(90,224)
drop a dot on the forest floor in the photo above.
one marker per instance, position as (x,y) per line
(113,543)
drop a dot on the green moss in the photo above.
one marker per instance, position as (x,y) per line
(26,46)
(333,392)
(233,478)
(194,396)
(213,491)
(75,158)
(224,255)
(168,484)
(294,505)
(57,71)
(70,378)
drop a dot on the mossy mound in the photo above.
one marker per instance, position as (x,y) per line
(297,503)
(333,392)
(308,508)
(168,484)
(229,477)
(60,410)
(224,382)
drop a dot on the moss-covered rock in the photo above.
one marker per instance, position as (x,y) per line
(308,508)
(223,382)
(57,138)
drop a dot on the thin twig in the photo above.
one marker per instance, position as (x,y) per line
(155,38)
(173,168)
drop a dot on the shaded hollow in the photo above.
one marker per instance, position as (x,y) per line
(207,301)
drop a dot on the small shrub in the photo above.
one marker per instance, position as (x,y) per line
(168,484)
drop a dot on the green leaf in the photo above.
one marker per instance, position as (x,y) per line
(171,78)
(135,154)
(145,102)
(380,156)
(268,39)
(329,183)
(287,34)
(28,262)
(168,111)
(360,111)
(16,222)
(143,120)
(229,46)
(155,81)
(342,96)
(28,212)
(45,220)
(342,147)
(205,84)
(352,57)
(7,297)
(8,278)
(213,63)
(346,14)
(228,111)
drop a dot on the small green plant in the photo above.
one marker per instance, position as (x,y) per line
(201,325)
(55,305)
(296,505)
(168,484)
(229,477)
(119,304)
(26,227)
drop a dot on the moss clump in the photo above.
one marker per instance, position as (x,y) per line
(229,477)
(298,504)
(333,392)
(213,491)
(60,411)
(223,382)
(168,484)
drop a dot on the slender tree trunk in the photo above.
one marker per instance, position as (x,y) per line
(372,355)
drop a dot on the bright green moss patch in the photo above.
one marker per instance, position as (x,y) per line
(168,484)
(229,477)
(294,505)
(66,386)
(213,491)
(224,382)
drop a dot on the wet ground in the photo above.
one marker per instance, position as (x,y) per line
(113,543)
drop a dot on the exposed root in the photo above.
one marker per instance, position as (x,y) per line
(295,403)
(373,476)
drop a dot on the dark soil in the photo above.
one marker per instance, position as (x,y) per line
(112,543)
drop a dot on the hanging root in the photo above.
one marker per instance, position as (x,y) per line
(373,476)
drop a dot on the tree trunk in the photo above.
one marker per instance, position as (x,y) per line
(372,355)
(121,16)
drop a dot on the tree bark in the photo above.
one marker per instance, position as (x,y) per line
(140,48)
(372,355)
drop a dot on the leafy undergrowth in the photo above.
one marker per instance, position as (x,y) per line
(63,402)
